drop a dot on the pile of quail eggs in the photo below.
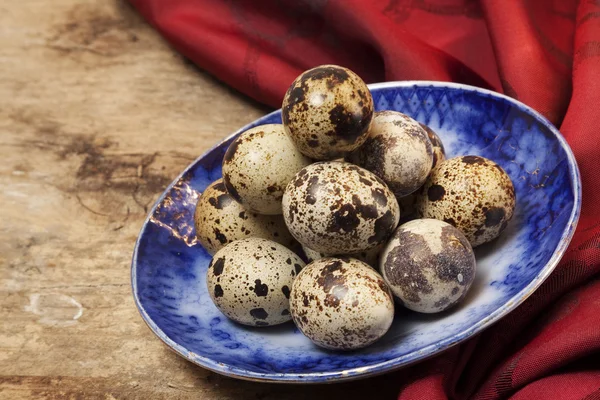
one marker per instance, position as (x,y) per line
(304,224)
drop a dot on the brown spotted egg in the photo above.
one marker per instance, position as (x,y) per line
(258,165)
(472,193)
(327,111)
(220,220)
(439,153)
(429,265)
(370,257)
(250,281)
(338,208)
(341,303)
(408,204)
(397,150)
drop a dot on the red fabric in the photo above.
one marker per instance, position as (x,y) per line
(546,53)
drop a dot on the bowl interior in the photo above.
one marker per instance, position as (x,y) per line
(169,267)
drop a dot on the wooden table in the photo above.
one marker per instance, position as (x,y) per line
(97,116)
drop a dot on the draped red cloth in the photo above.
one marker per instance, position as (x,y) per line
(546,53)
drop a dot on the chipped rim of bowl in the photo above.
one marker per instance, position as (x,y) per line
(414,356)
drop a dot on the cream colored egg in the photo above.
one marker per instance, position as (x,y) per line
(397,150)
(341,303)
(429,265)
(338,208)
(327,111)
(220,220)
(258,165)
(471,193)
(250,281)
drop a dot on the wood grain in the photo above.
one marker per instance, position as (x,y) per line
(97,116)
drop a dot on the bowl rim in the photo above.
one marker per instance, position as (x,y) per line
(406,359)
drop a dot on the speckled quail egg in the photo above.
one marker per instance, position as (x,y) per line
(429,265)
(439,153)
(327,111)
(370,257)
(250,281)
(220,220)
(258,165)
(338,208)
(472,193)
(341,303)
(397,150)
(408,204)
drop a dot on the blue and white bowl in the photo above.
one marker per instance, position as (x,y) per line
(169,266)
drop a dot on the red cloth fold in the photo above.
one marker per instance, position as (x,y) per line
(546,53)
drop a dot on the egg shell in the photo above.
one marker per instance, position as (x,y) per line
(471,193)
(397,150)
(327,111)
(429,265)
(439,152)
(369,257)
(250,281)
(258,166)
(338,208)
(408,204)
(341,303)
(220,220)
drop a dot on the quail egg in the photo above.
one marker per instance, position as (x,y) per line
(338,208)
(472,193)
(397,150)
(250,280)
(408,204)
(370,257)
(439,153)
(429,265)
(258,165)
(327,111)
(341,303)
(220,220)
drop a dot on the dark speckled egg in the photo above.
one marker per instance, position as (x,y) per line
(408,204)
(220,220)
(338,208)
(341,303)
(471,193)
(250,281)
(327,112)
(429,265)
(439,152)
(397,150)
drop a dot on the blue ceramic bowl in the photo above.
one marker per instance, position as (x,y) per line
(169,266)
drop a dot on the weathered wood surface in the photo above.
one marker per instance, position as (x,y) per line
(97,116)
